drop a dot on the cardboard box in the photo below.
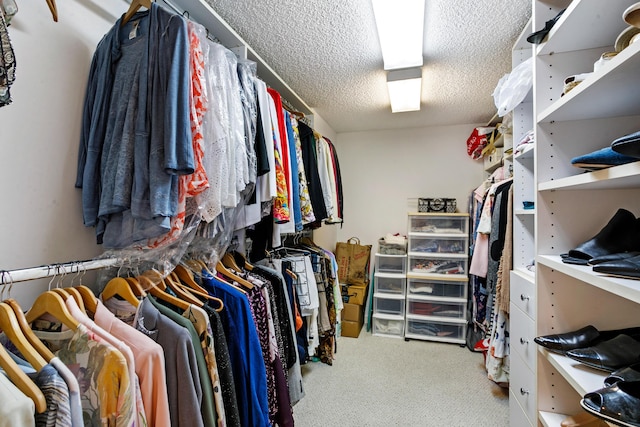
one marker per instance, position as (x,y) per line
(355,294)
(352,312)
(350,329)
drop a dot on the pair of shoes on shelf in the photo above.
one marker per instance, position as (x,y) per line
(619,400)
(582,338)
(618,403)
(623,150)
(621,234)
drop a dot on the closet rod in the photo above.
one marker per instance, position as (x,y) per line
(8,277)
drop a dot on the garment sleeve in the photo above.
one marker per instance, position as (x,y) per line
(189,389)
(92,132)
(178,147)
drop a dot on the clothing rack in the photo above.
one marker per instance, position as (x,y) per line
(8,277)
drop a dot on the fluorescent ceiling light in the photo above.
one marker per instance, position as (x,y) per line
(400,30)
(405,88)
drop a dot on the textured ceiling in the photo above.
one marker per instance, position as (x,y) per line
(328,53)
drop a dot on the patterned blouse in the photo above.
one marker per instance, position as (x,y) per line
(101,370)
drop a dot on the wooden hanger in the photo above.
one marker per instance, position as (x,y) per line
(53,304)
(35,342)
(186,277)
(133,8)
(73,293)
(230,262)
(196,290)
(220,268)
(173,282)
(242,260)
(22,381)
(88,298)
(153,287)
(11,328)
(119,287)
(136,287)
(54,9)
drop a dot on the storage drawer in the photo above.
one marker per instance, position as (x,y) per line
(438,244)
(523,292)
(522,334)
(438,264)
(387,326)
(390,284)
(437,288)
(455,310)
(395,264)
(439,223)
(435,330)
(388,305)
(522,383)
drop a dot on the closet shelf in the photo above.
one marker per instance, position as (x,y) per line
(527,152)
(525,212)
(527,275)
(617,177)
(625,288)
(579,28)
(551,419)
(582,378)
(611,92)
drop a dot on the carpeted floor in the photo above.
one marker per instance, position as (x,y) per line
(382,382)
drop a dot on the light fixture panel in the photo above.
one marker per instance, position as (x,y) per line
(400,26)
(405,94)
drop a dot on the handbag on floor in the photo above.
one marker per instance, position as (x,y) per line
(353,262)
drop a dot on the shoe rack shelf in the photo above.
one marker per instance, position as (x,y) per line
(572,206)
(437,281)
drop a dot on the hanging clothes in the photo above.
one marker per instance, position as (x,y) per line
(17,409)
(98,367)
(183,386)
(136,112)
(245,352)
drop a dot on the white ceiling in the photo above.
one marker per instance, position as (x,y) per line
(328,53)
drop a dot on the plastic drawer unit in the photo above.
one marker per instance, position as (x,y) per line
(388,283)
(389,304)
(437,308)
(428,288)
(421,328)
(391,264)
(388,326)
(438,264)
(439,223)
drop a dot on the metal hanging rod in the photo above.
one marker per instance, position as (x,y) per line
(51,270)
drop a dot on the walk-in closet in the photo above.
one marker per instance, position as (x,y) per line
(220,213)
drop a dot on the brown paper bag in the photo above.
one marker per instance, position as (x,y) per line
(353,262)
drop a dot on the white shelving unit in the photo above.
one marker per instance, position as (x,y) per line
(522,306)
(437,266)
(571,206)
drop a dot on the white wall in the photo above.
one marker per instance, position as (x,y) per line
(40,219)
(381,170)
